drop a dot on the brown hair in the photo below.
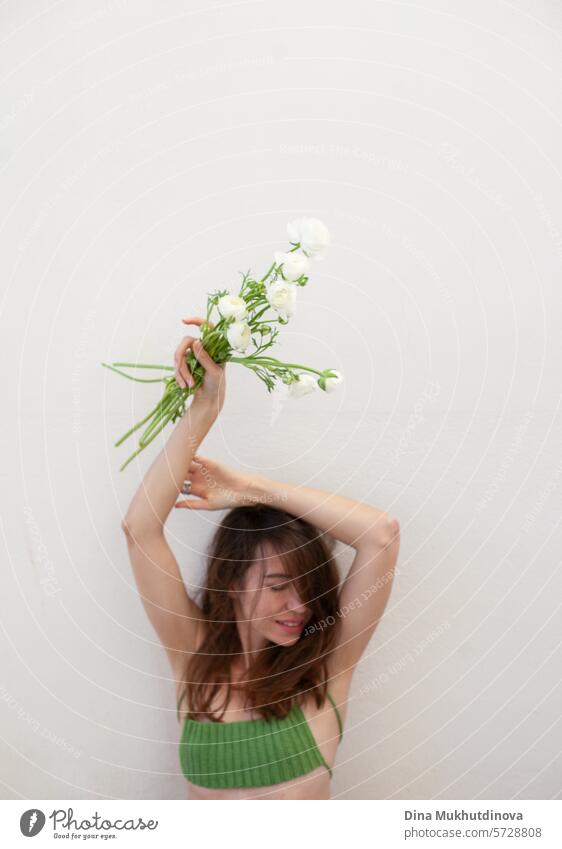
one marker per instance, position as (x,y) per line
(278,674)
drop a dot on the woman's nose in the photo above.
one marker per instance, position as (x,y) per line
(295,604)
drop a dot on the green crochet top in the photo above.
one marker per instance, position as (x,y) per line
(251,752)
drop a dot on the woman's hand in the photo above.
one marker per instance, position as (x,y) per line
(211,386)
(217,486)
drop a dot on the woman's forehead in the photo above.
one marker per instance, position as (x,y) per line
(271,566)
(266,556)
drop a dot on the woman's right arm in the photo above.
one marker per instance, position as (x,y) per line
(176,618)
(162,484)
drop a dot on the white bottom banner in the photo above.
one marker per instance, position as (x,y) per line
(529,823)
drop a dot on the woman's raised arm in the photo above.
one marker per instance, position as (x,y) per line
(352,522)
(163,481)
(176,618)
(373,534)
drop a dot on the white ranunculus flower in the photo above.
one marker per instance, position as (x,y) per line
(333,382)
(306,383)
(282,297)
(232,306)
(294,263)
(239,335)
(312,234)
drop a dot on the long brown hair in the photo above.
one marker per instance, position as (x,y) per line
(278,674)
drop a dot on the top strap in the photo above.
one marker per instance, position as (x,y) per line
(340,723)
(179,702)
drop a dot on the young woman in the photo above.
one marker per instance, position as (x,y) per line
(263,664)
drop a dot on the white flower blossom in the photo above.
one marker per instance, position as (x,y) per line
(312,234)
(239,335)
(294,263)
(305,384)
(232,306)
(331,383)
(282,297)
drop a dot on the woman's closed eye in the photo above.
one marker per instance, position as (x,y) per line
(278,587)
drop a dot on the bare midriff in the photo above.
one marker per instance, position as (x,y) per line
(313,785)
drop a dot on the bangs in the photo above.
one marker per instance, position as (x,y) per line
(297,565)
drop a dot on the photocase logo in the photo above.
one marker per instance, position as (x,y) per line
(31,822)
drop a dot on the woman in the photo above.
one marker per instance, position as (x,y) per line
(263,665)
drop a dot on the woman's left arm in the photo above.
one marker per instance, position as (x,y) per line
(373,534)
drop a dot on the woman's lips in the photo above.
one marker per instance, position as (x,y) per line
(290,629)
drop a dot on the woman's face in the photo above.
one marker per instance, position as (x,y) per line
(273,611)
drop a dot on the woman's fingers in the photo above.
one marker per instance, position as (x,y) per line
(198,321)
(200,353)
(196,489)
(204,358)
(183,374)
(178,356)
(196,504)
(201,464)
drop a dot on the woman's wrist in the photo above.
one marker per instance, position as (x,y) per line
(206,407)
(259,489)
(197,421)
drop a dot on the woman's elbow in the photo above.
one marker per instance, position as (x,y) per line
(136,529)
(386,529)
(131,527)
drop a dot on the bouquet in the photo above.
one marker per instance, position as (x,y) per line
(249,318)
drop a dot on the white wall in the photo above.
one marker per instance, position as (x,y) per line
(149,153)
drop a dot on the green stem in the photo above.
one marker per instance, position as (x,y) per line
(136,379)
(270,361)
(143,365)
(139,424)
(297,246)
(124,466)
(265,309)
(161,426)
(167,404)
(217,331)
(264,278)
(254,302)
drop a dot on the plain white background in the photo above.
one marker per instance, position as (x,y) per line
(149,153)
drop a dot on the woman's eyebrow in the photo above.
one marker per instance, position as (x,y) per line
(277,575)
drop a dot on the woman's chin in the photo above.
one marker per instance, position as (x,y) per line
(285,639)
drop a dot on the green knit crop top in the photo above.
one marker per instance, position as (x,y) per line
(251,752)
